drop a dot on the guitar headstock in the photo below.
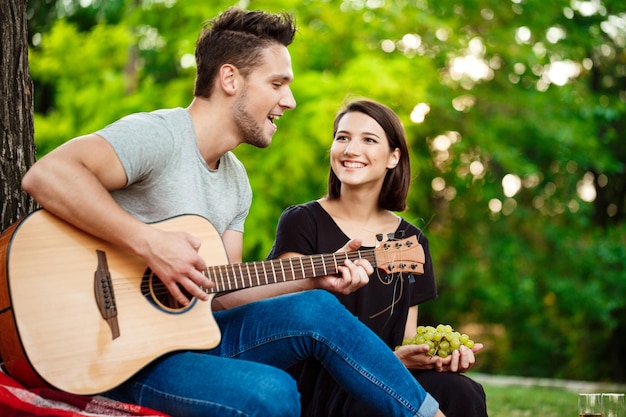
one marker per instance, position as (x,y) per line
(402,255)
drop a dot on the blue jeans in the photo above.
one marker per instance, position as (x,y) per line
(244,375)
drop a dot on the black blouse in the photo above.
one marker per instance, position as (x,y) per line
(383,304)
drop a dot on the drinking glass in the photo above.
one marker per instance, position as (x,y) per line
(613,405)
(589,405)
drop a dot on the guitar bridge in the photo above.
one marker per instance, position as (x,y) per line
(105,298)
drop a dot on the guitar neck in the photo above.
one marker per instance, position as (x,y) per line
(243,275)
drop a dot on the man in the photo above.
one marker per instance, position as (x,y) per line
(151,166)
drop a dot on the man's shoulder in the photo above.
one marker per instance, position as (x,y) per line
(146,120)
(230,161)
(169,114)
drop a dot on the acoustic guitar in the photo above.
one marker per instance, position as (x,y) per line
(81,315)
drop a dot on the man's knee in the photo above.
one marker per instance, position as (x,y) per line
(276,395)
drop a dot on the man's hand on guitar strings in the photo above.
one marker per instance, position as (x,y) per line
(174,258)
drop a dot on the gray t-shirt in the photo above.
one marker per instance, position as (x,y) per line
(168,177)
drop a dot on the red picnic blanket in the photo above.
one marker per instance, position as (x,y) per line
(17,401)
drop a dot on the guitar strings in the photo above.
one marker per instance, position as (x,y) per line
(227,277)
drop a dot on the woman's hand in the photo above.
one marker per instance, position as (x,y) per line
(352,274)
(417,357)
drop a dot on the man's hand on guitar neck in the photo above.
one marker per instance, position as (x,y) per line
(174,258)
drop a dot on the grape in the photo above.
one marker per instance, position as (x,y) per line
(442,340)
(455,344)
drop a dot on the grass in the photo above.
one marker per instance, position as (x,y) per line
(523,401)
(528,397)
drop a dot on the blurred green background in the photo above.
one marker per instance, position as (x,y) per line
(516,117)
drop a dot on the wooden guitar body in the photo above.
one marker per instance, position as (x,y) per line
(47,298)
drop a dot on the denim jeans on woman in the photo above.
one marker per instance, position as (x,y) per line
(244,375)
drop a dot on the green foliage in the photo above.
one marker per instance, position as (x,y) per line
(538,274)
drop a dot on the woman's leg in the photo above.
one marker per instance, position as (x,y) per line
(313,324)
(458,395)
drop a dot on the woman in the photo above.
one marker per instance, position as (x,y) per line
(369,181)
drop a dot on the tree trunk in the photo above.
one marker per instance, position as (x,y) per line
(17,152)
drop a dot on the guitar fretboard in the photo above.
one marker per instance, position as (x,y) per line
(243,275)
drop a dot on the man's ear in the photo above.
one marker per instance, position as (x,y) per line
(229,78)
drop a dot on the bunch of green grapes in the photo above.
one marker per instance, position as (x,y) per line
(443,339)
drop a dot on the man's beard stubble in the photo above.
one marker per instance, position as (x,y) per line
(249,130)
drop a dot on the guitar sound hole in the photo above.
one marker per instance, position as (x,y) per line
(157,293)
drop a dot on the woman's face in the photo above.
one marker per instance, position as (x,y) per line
(360,153)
